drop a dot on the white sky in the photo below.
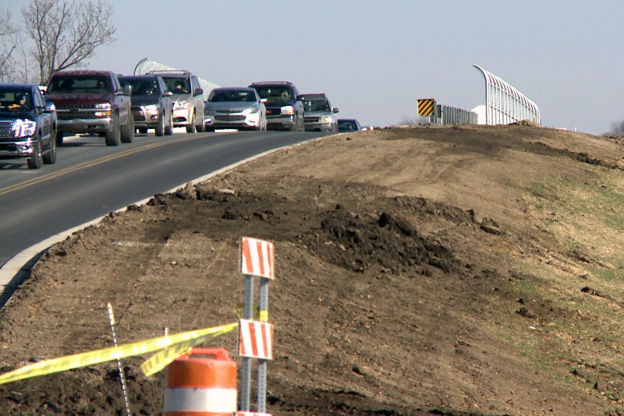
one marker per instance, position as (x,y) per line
(376,58)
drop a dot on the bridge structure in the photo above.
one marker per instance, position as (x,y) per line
(504,104)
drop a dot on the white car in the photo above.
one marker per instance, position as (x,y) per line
(235,108)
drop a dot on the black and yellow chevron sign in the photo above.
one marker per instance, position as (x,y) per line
(426,107)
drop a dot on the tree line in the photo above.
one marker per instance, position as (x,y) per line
(50,36)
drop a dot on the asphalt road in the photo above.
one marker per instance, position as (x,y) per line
(90,180)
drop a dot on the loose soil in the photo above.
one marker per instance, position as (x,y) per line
(457,270)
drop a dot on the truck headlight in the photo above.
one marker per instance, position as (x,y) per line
(326,119)
(288,110)
(103,110)
(24,128)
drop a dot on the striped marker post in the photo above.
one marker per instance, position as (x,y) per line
(257,259)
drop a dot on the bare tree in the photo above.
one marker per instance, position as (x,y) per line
(9,40)
(617,128)
(66,32)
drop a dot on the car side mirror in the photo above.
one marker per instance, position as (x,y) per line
(198,91)
(263,100)
(335,110)
(49,108)
(127,90)
(167,93)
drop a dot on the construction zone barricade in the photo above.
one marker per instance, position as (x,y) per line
(201,386)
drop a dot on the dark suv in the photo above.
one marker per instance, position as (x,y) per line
(90,102)
(27,125)
(284,109)
(151,103)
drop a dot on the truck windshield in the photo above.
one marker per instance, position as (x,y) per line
(15,101)
(276,94)
(79,85)
(315,105)
(177,85)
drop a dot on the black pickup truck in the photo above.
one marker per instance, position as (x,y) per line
(89,101)
(27,125)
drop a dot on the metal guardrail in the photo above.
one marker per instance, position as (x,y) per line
(444,114)
(453,115)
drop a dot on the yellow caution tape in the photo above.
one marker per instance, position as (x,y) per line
(85,359)
(162,359)
(264,316)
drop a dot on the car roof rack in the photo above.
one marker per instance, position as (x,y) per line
(168,71)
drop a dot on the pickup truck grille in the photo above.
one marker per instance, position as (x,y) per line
(274,111)
(5,128)
(311,119)
(75,107)
(69,111)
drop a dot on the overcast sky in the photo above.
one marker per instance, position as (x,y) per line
(375,59)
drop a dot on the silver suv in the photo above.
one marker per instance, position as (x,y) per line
(187,99)
(319,114)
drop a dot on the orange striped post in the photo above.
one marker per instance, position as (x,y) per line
(256,339)
(201,386)
(257,259)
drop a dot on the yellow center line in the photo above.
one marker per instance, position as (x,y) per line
(84,165)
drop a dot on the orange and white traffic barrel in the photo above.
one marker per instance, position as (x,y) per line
(201,386)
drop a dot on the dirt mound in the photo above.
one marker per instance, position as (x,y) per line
(465,270)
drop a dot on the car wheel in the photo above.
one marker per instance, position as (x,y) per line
(201,127)
(191,126)
(36,160)
(169,127)
(50,157)
(160,127)
(127,131)
(112,137)
(59,138)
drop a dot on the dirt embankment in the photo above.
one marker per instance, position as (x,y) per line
(420,271)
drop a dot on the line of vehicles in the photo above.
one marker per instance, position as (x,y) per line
(115,107)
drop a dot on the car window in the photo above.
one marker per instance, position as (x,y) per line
(316,105)
(15,101)
(217,96)
(178,85)
(142,86)
(276,93)
(38,99)
(79,85)
(347,125)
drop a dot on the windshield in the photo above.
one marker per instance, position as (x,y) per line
(87,84)
(15,101)
(141,86)
(315,105)
(178,85)
(347,125)
(277,93)
(219,96)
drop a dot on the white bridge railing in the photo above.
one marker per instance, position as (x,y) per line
(504,104)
